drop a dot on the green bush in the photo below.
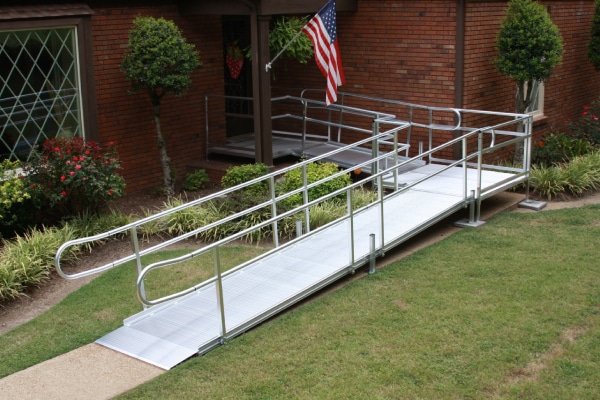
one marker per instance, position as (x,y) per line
(195,180)
(557,148)
(243,173)
(315,172)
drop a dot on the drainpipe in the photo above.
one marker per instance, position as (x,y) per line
(459,65)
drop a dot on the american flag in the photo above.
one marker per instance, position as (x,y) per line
(322,31)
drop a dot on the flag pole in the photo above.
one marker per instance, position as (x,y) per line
(269,64)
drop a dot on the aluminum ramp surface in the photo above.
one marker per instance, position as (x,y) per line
(354,156)
(167,334)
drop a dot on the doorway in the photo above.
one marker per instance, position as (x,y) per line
(237,75)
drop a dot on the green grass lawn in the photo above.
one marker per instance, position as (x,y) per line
(507,310)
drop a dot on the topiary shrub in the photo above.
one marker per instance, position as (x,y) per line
(158,60)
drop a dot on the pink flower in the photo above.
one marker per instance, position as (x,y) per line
(87,152)
(78,166)
(72,173)
(110,192)
(62,178)
(81,158)
(84,179)
(57,149)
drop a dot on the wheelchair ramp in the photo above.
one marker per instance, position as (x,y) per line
(167,334)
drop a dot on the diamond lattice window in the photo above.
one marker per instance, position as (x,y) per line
(39,89)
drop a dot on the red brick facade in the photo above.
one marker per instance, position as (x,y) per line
(403,50)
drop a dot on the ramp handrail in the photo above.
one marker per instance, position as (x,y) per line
(132,227)
(342,96)
(378,136)
(376,177)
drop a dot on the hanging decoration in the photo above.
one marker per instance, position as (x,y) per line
(234,59)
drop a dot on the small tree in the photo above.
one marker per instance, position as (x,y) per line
(594,44)
(529,47)
(159,60)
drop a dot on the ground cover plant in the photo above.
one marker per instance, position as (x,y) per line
(27,260)
(520,319)
(573,178)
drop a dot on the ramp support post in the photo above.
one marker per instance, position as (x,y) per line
(471,221)
(372,254)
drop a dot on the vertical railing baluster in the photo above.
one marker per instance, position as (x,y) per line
(219,288)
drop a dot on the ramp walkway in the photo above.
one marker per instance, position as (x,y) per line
(411,193)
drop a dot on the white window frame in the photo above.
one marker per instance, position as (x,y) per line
(25,114)
(539,96)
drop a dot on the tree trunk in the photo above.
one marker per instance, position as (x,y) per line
(521,104)
(164,158)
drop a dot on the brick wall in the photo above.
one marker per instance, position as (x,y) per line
(128,119)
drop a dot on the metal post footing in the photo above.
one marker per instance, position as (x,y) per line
(464,223)
(532,204)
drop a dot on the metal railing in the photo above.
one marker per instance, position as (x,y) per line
(386,129)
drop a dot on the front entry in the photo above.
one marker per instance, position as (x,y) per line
(237,75)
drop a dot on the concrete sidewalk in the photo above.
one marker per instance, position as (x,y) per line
(89,372)
(93,372)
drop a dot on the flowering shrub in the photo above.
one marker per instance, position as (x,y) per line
(75,176)
(15,200)
(556,148)
(588,125)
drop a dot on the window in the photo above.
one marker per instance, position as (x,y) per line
(536,108)
(46,76)
(40,94)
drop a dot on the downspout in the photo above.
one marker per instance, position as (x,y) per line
(459,65)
